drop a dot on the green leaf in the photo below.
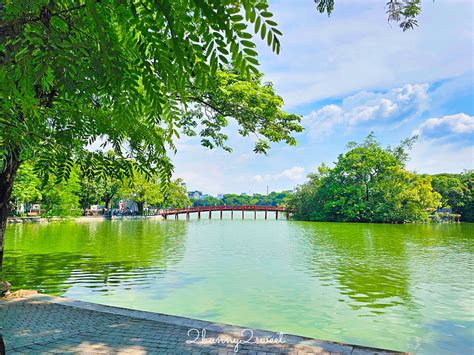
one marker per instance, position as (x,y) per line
(263,31)
(257,24)
(247,43)
(266,14)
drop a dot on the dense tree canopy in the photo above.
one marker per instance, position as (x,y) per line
(457,191)
(72,197)
(97,189)
(133,74)
(272,199)
(367,184)
(27,188)
(147,192)
(63,198)
(142,190)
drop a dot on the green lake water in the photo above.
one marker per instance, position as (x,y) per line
(402,287)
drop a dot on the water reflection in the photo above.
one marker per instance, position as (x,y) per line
(100,256)
(371,264)
(364,266)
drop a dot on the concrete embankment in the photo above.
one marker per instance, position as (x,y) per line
(13,220)
(45,324)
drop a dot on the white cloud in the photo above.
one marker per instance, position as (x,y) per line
(245,157)
(366,107)
(431,157)
(203,175)
(258,178)
(295,173)
(446,126)
(355,49)
(446,145)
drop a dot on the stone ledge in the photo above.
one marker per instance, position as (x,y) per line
(320,346)
(38,219)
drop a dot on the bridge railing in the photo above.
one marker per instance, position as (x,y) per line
(225,208)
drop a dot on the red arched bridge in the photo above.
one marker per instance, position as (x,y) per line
(209,209)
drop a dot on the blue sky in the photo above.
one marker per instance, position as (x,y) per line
(348,75)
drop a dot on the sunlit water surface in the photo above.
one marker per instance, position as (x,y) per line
(403,287)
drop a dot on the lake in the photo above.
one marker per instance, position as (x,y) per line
(403,287)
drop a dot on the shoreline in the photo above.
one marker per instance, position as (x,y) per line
(82,219)
(77,326)
(87,219)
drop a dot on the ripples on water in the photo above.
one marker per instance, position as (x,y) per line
(407,287)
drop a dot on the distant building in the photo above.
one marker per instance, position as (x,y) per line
(34,210)
(128,204)
(131,205)
(196,195)
(220,196)
(95,210)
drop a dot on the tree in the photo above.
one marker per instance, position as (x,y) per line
(404,197)
(457,192)
(27,188)
(142,190)
(99,189)
(176,196)
(403,12)
(62,199)
(132,74)
(109,189)
(145,191)
(207,201)
(306,196)
(272,199)
(467,210)
(90,192)
(367,184)
(451,189)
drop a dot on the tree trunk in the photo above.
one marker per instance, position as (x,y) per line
(6,184)
(108,198)
(140,206)
(2,346)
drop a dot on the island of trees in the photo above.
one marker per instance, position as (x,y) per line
(370,183)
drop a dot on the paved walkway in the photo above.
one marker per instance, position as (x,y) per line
(40,324)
